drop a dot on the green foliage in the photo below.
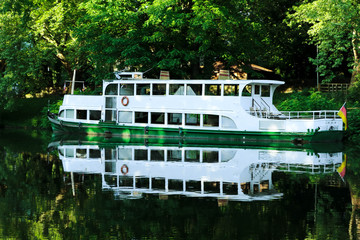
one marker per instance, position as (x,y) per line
(334,28)
(53,108)
(353,131)
(307,101)
(29,112)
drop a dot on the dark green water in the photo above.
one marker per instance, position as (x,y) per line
(88,190)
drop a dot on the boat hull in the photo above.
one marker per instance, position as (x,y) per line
(194,136)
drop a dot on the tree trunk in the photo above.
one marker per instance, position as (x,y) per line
(356,47)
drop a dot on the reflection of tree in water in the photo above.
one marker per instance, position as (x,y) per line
(36,201)
(353,179)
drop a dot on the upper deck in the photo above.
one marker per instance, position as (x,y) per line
(197,87)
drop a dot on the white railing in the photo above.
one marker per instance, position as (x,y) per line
(323,114)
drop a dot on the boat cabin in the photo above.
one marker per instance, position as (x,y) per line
(196,103)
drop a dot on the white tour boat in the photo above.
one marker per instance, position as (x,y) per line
(241,110)
(238,174)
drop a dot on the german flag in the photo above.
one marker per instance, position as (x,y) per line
(342,169)
(342,114)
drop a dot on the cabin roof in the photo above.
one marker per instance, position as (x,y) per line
(199,81)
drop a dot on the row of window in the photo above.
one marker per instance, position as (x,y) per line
(129,117)
(81,114)
(158,89)
(171,155)
(226,188)
(188,119)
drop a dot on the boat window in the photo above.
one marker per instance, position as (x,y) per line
(265,91)
(110,154)
(194,89)
(80,153)
(227,155)
(227,122)
(125,76)
(126,89)
(231,90)
(69,152)
(110,167)
(125,154)
(62,113)
(192,155)
(141,154)
(94,153)
(175,185)
(142,183)
(193,186)
(192,119)
(158,118)
(111,89)
(159,89)
(110,115)
(230,188)
(176,89)
(212,187)
(61,152)
(211,120)
(125,117)
(213,89)
(246,92)
(110,102)
(174,156)
(141,117)
(210,156)
(158,183)
(137,76)
(81,114)
(175,118)
(157,155)
(125,181)
(257,89)
(143,89)
(95,114)
(70,113)
(110,179)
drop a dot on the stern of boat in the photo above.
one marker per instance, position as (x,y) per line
(54,122)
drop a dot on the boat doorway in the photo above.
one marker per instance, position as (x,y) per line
(259,99)
(110,109)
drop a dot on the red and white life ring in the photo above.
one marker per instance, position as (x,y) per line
(124,169)
(125,101)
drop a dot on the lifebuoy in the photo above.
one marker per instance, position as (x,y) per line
(124,169)
(125,101)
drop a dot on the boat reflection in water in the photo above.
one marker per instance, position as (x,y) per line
(239,174)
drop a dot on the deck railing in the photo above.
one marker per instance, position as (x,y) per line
(323,114)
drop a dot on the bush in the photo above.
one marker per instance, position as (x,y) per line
(308,101)
(53,108)
(353,132)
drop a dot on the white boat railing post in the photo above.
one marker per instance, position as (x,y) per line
(73,83)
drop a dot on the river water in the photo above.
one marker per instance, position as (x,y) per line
(67,188)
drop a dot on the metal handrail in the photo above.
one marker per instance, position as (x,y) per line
(321,114)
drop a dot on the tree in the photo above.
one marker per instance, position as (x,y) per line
(285,48)
(174,35)
(334,28)
(37,46)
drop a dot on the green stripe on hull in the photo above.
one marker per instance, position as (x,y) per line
(194,136)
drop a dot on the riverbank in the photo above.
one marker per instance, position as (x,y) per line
(28,113)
